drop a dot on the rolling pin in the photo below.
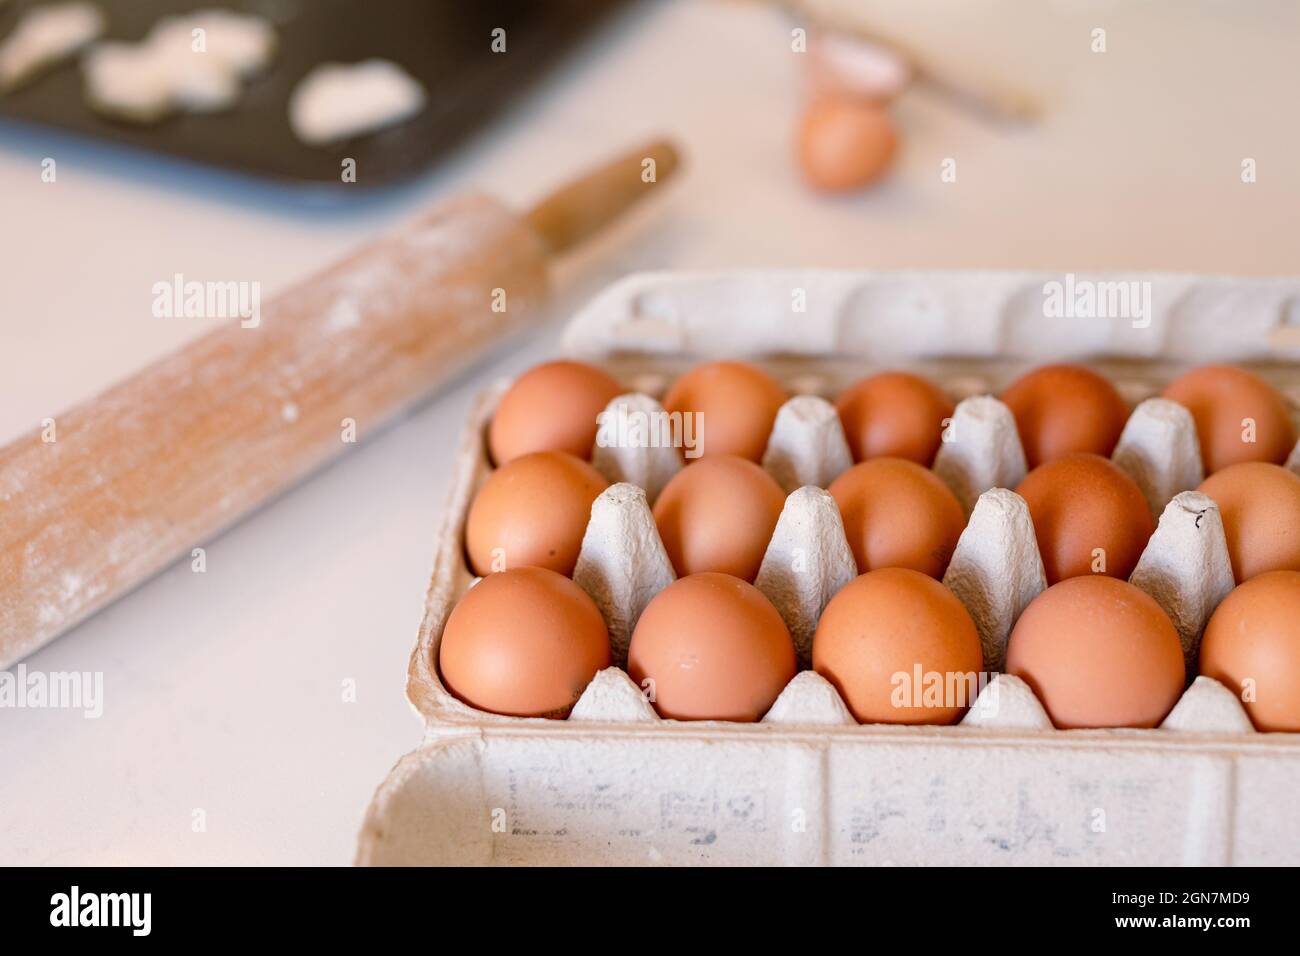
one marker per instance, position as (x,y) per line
(120,486)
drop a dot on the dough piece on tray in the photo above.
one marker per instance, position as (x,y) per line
(337,101)
(45,36)
(195,63)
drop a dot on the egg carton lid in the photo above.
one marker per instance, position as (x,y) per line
(895,315)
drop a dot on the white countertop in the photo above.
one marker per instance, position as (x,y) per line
(223,691)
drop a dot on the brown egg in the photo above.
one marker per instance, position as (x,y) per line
(718,515)
(736,404)
(894,415)
(1252,647)
(532,511)
(1225,401)
(900,648)
(898,515)
(845,142)
(714,648)
(525,642)
(1098,652)
(551,407)
(1089,517)
(1260,505)
(1061,409)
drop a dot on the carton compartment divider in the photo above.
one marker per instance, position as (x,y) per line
(980,450)
(1186,568)
(1159,450)
(649,466)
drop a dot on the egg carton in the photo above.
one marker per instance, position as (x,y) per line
(616,784)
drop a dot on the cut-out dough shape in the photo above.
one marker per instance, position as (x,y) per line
(45,36)
(195,63)
(338,101)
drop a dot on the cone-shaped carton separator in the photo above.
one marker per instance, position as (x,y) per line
(611,696)
(1159,450)
(1007,702)
(622,564)
(640,443)
(807,562)
(1185,567)
(810,699)
(807,445)
(981,450)
(1209,707)
(996,569)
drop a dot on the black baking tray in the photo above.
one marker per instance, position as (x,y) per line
(446,44)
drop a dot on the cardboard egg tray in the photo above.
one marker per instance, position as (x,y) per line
(615,784)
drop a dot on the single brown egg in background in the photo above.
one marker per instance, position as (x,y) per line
(1253,642)
(736,404)
(845,142)
(882,637)
(1081,503)
(1260,506)
(1098,652)
(898,514)
(524,642)
(1062,409)
(551,407)
(532,511)
(715,649)
(1221,398)
(894,415)
(719,515)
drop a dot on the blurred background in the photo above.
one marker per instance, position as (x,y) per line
(1062,135)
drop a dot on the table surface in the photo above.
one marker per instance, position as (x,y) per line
(224,692)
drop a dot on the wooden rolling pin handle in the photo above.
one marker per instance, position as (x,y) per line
(584,207)
(156,465)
